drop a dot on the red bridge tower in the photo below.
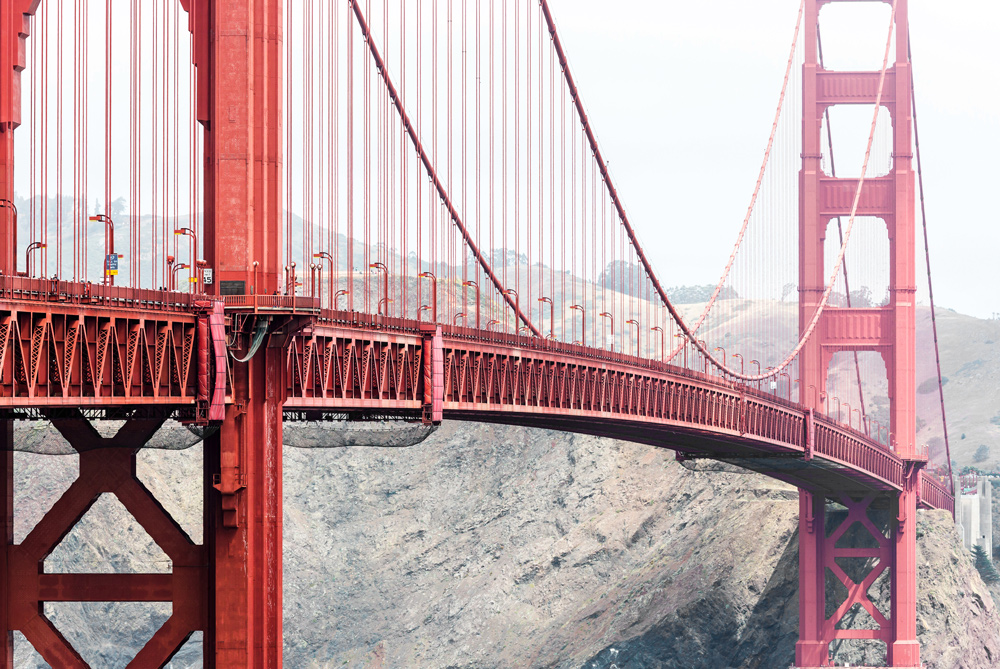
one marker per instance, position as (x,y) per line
(888,330)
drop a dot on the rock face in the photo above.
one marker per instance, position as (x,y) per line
(507,547)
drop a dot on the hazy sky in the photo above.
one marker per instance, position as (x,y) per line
(682,96)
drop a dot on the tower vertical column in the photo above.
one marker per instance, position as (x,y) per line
(812,227)
(14,16)
(241,58)
(812,649)
(7,529)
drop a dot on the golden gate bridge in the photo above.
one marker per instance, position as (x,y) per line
(400,210)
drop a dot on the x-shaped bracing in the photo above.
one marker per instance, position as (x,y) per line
(857,593)
(107,465)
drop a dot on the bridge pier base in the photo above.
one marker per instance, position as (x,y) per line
(243,523)
(7,528)
(876,536)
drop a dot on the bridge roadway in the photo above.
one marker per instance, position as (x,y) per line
(68,345)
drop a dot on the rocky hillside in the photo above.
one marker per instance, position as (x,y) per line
(505,547)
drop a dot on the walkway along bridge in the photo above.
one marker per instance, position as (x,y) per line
(396,210)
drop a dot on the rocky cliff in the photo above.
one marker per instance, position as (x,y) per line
(506,547)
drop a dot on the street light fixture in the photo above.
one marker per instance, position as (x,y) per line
(476,286)
(336,299)
(552,315)
(663,347)
(633,321)
(610,317)
(434,294)
(33,246)
(583,324)
(385,286)
(192,258)
(324,255)
(109,246)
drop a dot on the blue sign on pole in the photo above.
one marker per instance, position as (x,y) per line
(111,264)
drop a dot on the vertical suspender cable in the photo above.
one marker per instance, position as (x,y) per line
(930,285)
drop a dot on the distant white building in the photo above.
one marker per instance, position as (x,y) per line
(974,513)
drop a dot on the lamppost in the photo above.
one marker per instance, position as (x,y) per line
(454,321)
(633,321)
(421,310)
(848,414)
(740,356)
(336,299)
(605,314)
(517,306)
(724,358)
(704,347)
(476,286)
(324,255)
(583,323)
(379,266)
(192,258)
(858,411)
(173,272)
(788,381)
(663,347)
(33,246)
(434,295)
(109,245)
(680,335)
(552,315)
(491,323)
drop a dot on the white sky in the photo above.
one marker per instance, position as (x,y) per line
(682,95)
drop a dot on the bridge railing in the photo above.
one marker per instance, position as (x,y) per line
(57,291)
(934,493)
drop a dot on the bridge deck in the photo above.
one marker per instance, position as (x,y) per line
(65,345)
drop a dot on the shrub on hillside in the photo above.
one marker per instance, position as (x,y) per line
(930,385)
(984,565)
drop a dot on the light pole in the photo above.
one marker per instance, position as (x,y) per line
(491,323)
(663,347)
(192,258)
(583,324)
(109,245)
(517,306)
(421,310)
(434,295)
(740,356)
(379,266)
(788,381)
(173,272)
(755,362)
(552,315)
(33,246)
(476,286)
(336,299)
(724,358)
(681,336)
(704,347)
(324,255)
(633,321)
(848,414)
(454,321)
(605,314)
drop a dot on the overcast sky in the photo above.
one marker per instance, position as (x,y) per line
(682,94)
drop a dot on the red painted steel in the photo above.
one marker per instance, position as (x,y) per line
(890,331)
(107,465)
(79,346)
